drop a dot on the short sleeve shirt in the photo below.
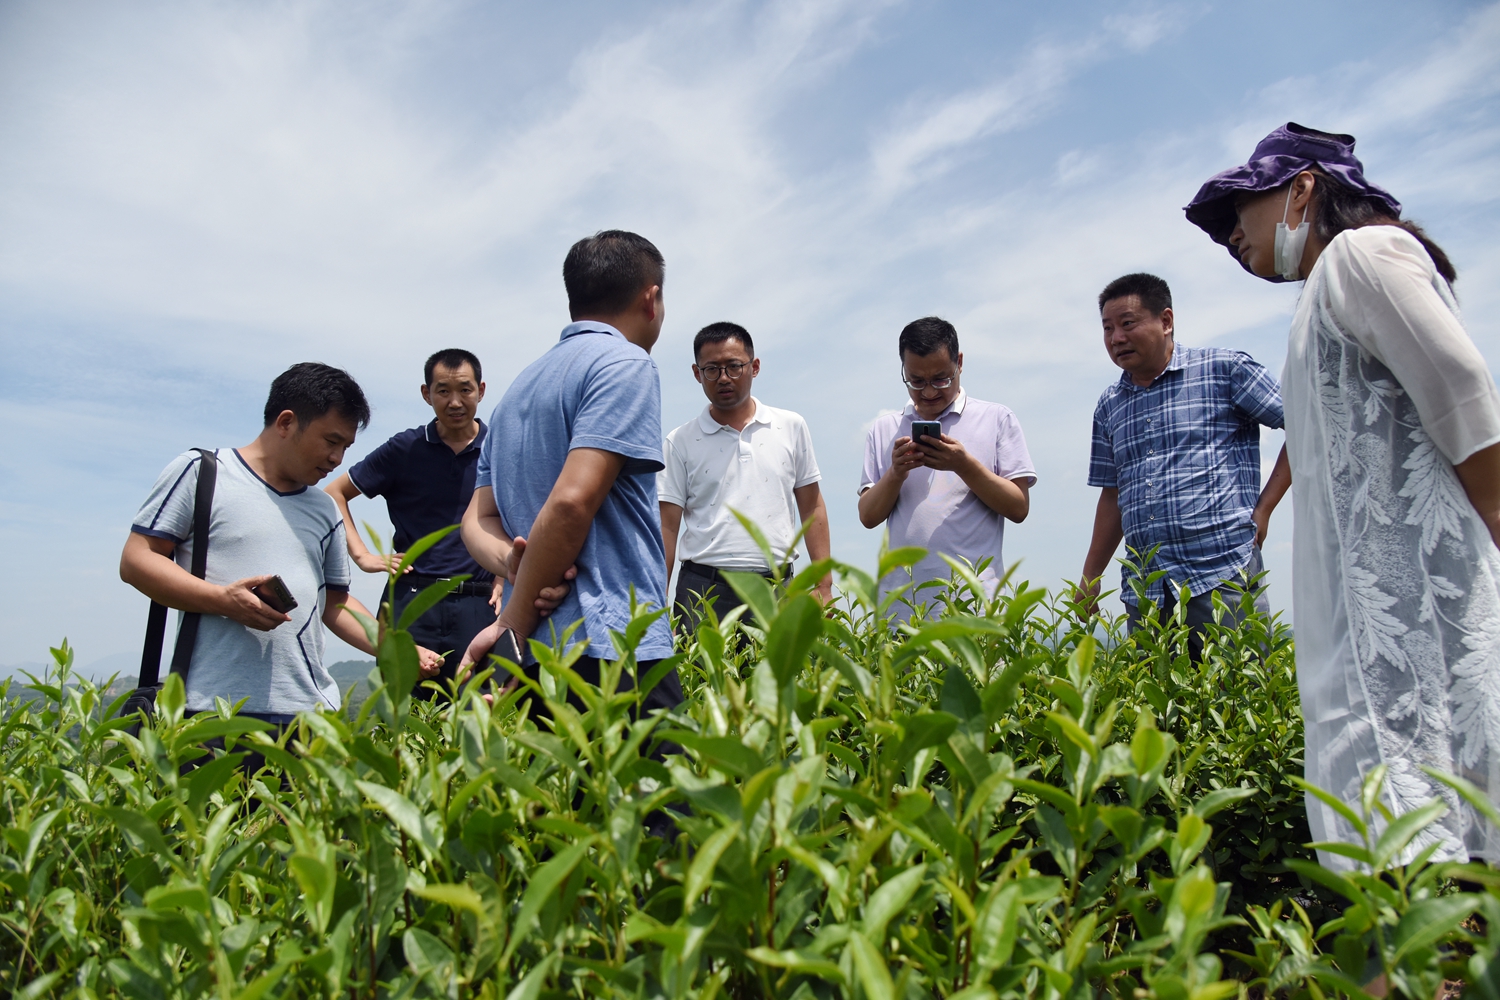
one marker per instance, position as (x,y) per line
(593,389)
(1184,453)
(426,488)
(713,470)
(254,530)
(936,510)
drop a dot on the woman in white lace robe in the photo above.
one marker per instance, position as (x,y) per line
(1393,432)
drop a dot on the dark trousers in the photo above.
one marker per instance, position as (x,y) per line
(696,581)
(1200,608)
(447,627)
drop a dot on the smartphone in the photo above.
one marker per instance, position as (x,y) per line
(276,595)
(925,428)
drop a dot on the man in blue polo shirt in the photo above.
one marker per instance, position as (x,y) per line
(570,464)
(1176,455)
(426,475)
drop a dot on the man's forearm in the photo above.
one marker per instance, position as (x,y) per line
(819,544)
(341,489)
(877,502)
(1108,534)
(484,535)
(161,579)
(671,524)
(1277,484)
(555,541)
(1001,495)
(343,624)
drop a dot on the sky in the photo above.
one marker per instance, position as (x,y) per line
(195,195)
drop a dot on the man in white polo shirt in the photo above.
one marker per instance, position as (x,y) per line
(950,495)
(738,454)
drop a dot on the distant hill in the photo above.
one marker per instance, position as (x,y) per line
(125,668)
(353,673)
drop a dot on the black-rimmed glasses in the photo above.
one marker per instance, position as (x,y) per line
(734,370)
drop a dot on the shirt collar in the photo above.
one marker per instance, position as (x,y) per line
(1174,364)
(956,407)
(589,326)
(709,425)
(430,432)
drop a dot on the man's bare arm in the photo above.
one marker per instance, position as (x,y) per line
(484,533)
(1277,484)
(877,502)
(337,616)
(343,490)
(1108,534)
(146,564)
(810,505)
(1010,498)
(671,524)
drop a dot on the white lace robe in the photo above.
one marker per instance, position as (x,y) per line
(1396,594)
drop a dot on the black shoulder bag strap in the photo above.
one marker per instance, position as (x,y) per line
(156,620)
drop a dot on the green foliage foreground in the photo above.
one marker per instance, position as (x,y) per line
(991,804)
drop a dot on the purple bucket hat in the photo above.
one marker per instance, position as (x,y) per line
(1278,158)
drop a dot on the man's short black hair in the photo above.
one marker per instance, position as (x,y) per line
(454,358)
(717,333)
(604,273)
(1151,290)
(924,336)
(311,389)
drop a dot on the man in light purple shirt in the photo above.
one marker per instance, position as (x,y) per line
(950,495)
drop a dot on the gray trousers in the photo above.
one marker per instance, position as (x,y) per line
(1200,608)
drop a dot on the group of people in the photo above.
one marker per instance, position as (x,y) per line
(574,509)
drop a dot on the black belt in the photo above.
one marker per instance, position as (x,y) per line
(469,588)
(714,573)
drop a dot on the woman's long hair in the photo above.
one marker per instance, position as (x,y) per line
(1340,207)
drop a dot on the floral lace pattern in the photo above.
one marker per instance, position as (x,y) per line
(1419,575)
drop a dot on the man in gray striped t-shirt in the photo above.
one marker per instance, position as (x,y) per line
(266,521)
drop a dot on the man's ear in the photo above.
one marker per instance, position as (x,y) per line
(481,392)
(427,394)
(651,301)
(958,362)
(1166,320)
(285,424)
(754,367)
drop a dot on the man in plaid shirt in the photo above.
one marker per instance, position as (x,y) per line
(1176,455)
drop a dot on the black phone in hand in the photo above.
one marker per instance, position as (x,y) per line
(925,428)
(276,596)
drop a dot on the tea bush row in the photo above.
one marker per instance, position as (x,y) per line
(997,802)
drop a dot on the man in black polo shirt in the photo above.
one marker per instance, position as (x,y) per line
(426,475)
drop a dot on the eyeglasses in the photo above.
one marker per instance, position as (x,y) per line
(734,370)
(919,384)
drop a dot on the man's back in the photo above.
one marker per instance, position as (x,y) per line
(254,529)
(594,389)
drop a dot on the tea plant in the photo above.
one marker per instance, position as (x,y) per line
(994,802)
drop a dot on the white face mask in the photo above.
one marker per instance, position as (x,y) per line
(1290,243)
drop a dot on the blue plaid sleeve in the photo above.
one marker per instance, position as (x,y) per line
(1255,391)
(1102,455)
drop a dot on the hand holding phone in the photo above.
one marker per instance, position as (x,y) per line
(275,594)
(925,428)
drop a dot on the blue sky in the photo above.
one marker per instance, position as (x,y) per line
(195,195)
